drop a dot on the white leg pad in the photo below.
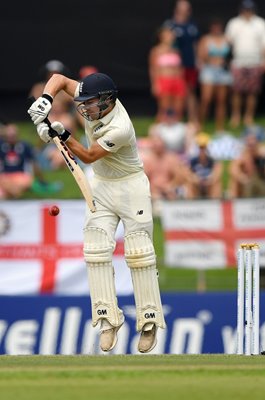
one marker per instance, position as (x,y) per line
(98,256)
(140,257)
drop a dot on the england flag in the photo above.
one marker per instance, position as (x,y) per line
(42,254)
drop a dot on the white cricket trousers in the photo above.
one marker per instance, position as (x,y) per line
(128,200)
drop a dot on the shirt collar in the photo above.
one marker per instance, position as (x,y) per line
(108,117)
(105,120)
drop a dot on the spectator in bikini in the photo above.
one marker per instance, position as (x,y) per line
(215,77)
(166,76)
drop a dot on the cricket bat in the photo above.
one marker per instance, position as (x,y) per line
(76,171)
(74,168)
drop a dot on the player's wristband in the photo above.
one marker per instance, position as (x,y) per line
(65,136)
(48,97)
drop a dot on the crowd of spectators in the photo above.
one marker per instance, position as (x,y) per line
(200,69)
(22,165)
(18,165)
(191,75)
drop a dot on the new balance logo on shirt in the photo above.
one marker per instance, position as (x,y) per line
(108,143)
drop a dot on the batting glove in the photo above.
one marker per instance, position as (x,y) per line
(40,109)
(43,132)
(58,127)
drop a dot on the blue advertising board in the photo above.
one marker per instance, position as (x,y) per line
(196,323)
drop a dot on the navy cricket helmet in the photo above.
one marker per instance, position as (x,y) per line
(95,86)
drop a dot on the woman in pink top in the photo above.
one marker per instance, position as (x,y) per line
(166,76)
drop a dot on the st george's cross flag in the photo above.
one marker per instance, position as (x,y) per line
(205,234)
(42,254)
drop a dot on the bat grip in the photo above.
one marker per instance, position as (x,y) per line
(52,132)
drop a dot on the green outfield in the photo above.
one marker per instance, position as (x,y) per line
(167,377)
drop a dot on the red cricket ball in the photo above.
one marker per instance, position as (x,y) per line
(54,210)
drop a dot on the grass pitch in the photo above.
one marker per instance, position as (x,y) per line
(132,377)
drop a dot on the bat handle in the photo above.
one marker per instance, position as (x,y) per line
(52,132)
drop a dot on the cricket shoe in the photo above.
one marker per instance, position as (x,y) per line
(108,335)
(147,339)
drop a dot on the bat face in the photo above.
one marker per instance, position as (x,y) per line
(67,150)
(77,173)
(67,156)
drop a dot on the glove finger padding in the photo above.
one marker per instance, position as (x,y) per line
(40,109)
(62,132)
(43,132)
(58,127)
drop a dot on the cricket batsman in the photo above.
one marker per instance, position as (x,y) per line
(121,192)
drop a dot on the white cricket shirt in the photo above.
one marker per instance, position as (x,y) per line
(115,133)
